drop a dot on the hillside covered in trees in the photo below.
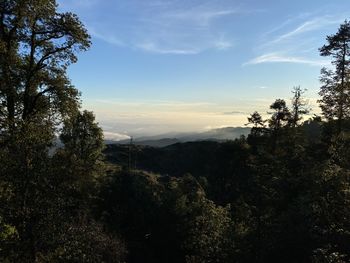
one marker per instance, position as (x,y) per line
(280,194)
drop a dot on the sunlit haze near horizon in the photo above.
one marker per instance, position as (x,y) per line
(159,66)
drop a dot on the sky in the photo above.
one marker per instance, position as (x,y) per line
(158,66)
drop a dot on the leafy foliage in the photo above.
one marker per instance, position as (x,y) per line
(280,195)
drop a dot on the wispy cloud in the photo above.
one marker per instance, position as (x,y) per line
(288,21)
(165,27)
(235,113)
(199,16)
(146,117)
(115,136)
(186,31)
(152,47)
(170,104)
(307,26)
(278,58)
(73,4)
(107,37)
(298,44)
(219,44)
(223,44)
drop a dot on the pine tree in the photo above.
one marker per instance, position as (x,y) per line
(280,115)
(258,123)
(299,106)
(335,102)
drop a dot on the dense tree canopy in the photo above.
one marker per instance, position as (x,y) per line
(279,195)
(44,191)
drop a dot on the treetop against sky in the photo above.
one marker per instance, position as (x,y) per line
(174,65)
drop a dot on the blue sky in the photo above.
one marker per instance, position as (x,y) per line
(189,65)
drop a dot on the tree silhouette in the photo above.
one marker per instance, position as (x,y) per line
(280,115)
(299,106)
(258,123)
(335,102)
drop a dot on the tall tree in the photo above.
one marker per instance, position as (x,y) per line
(280,115)
(37,44)
(299,106)
(335,102)
(258,123)
(79,162)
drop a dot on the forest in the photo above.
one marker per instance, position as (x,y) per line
(280,194)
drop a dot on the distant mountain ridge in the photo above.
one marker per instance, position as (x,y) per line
(163,140)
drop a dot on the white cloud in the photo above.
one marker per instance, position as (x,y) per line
(152,103)
(111,39)
(186,31)
(307,26)
(115,136)
(223,44)
(164,27)
(153,48)
(72,4)
(279,58)
(147,117)
(235,113)
(297,45)
(199,16)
